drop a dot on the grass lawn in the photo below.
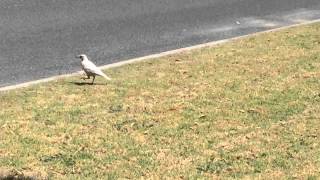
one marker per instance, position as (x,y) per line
(245,109)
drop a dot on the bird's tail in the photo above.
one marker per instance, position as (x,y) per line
(106,77)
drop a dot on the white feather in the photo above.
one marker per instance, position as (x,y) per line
(91,69)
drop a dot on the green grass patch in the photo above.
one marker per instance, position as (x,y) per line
(244,109)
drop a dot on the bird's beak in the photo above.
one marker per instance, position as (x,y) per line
(77,56)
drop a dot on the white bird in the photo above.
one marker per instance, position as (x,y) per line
(91,69)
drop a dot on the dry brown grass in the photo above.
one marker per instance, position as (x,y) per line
(245,109)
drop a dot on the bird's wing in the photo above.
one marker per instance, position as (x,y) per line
(92,68)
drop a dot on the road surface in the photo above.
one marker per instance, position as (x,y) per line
(40,38)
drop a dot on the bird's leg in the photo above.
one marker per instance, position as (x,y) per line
(93,79)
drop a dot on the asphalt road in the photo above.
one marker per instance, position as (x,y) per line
(40,38)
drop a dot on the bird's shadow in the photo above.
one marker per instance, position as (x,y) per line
(86,83)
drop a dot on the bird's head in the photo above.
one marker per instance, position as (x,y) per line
(82,57)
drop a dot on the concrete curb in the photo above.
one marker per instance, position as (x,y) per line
(130,61)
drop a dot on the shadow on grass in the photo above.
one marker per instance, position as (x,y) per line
(7,174)
(86,83)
